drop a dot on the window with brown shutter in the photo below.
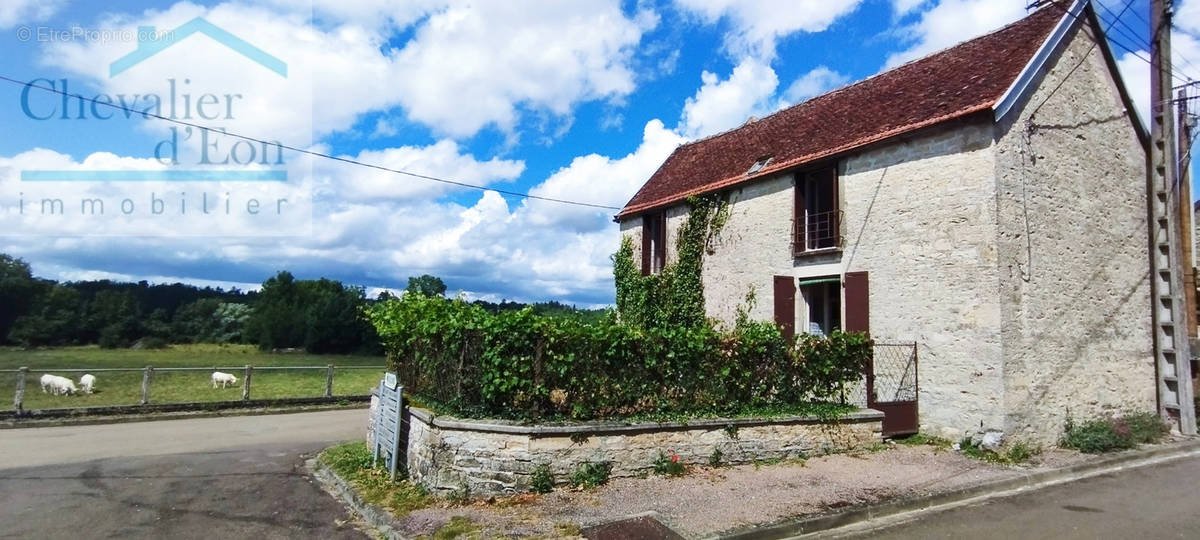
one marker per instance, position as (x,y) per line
(654,242)
(817,213)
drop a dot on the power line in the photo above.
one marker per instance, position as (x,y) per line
(1133,36)
(312,152)
(1116,42)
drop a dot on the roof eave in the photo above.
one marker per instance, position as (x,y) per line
(796,163)
(1025,81)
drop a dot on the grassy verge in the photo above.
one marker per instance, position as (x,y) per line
(352,462)
(124,387)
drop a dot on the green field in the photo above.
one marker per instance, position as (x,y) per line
(124,387)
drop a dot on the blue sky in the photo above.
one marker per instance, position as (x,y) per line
(575,100)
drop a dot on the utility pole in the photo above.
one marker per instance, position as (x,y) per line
(1172,348)
(1187,260)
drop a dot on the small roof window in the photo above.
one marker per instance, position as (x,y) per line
(758,165)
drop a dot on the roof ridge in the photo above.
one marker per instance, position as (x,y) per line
(868,78)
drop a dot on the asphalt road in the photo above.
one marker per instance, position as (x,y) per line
(1146,503)
(231,477)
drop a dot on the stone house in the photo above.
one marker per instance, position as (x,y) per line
(988,202)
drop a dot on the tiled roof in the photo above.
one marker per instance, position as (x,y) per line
(959,81)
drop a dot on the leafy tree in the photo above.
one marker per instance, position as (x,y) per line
(279,316)
(335,322)
(54,320)
(196,322)
(115,313)
(231,320)
(426,285)
(323,316)
(18,292)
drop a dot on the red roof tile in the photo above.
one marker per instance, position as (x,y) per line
(965,79)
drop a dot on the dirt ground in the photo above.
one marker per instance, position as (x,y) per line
(709,501)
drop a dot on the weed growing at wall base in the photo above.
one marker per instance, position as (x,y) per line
(591,475)
(1109,434)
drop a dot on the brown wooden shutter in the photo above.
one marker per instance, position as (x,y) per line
(660,230)
(646,232)
(785,305)
(858,305)
(798,217)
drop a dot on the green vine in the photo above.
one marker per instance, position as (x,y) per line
(674,297)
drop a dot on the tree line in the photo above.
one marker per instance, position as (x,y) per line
(320,316)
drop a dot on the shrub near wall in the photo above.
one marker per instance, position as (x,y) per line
(658,355)
(461,360)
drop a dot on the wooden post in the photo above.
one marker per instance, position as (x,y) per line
(147,373)
(1184,140)
(246,383)
(19,397)
(329,380)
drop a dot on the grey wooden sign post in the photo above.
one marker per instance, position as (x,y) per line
(387,423)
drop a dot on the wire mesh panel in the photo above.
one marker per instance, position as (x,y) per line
(855,393)
(892,387)
(895,372)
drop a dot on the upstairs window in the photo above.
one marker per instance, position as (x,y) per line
(817,216)
(654,243)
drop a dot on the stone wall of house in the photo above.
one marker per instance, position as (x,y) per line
(493,458)
(754,246)
(919,218)
(1072,248)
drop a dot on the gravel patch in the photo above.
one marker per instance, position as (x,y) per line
(709,501)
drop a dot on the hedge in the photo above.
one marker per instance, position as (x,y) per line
(517,365)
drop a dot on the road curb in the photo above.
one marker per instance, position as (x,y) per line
(26,422)
(999,488)
(378,518)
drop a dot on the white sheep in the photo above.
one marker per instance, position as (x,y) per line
(59,385)
(47,379)
(223,378)
(87,383)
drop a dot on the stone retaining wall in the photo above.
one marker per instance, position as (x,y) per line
(491,457)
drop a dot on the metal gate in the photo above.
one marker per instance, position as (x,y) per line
(892,386)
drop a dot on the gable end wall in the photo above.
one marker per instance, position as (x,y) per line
(1072,239)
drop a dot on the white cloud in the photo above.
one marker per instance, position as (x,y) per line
(1135,73)
(477,64)
(723,104)
(601,179)
(814,83)
(442,159)
(951,22)
(1187,15)
(14,12)
(902,7)
(467,66)
(758,24)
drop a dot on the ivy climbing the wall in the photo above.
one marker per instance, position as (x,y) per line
(673,297)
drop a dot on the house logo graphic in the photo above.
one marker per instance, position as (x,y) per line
(151,43)
(208,165)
